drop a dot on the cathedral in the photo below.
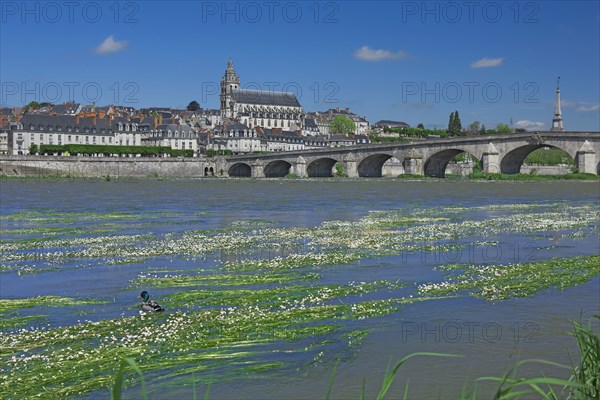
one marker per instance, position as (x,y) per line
(258,108)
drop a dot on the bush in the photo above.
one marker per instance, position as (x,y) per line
(213,153)
(91,149)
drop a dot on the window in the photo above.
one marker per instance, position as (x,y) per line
(87,139)
(103,139)
(32,138)
(94,139)
(69,138)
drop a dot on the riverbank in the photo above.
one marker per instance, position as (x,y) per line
(293,177)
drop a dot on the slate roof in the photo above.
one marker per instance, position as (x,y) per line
(386,122)
(265,97)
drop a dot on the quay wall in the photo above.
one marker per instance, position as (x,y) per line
(114,167)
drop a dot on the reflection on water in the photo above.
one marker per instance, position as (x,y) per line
(489,336)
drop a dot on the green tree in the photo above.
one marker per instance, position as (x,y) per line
(457,125)
(342,125)
(503,128)
(33,149)
(451,123)
(482,131)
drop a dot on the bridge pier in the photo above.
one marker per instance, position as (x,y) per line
(299,167)
(258,170)
(491,160)
(586,159)
(350,166)
(413,163)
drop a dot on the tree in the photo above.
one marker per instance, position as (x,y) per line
(503,128)
(420,126)
(193,106)
(342,125)
(33,149)
(451,122)
(454,125)
(482,130)
(457,125)
(474,127)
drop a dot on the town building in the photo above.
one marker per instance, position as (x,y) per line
(323,120)
(258,108)
(176,136)
(40,129)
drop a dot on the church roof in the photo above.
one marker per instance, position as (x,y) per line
(265,97)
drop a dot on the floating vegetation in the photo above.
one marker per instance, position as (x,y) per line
(43,301)
(501,282)
(239,295)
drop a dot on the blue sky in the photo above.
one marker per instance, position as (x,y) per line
(493,61)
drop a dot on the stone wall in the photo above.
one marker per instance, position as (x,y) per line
(110,166)
(546,169)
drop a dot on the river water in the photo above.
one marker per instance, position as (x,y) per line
(490,336)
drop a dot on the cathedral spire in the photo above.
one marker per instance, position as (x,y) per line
(557,121)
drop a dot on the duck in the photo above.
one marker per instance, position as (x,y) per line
(149,305)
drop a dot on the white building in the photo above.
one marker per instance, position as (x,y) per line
(175,136)
(41,129)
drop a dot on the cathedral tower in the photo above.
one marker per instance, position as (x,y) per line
(229,83)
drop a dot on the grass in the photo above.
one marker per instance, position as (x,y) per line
(584,383)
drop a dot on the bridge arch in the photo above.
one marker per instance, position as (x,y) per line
(512,162)
(371,166)
(277,169)
(240,170)
(321,168)
(436,165)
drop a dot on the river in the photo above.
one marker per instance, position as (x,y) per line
(490,336)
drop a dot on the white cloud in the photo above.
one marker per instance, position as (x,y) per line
(365,53)
(579,105)
(567,103)
(526,124)
(487,62)
(593,107)
(110,45)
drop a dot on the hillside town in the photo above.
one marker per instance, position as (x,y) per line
(248,121)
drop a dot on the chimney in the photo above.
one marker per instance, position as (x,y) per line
(77,119)
(94,119)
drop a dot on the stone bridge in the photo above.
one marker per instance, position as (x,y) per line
(496,153)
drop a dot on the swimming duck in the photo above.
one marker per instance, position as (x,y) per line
(149,305)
